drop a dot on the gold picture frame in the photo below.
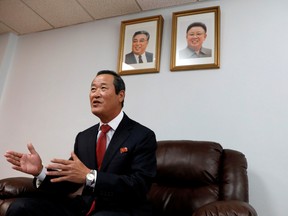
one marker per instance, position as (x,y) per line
(133,41)
(195,40)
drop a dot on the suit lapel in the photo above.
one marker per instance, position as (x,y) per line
(121,134)
(92,147)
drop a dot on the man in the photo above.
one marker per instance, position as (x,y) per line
(114,187)
(139,54)
(196,34)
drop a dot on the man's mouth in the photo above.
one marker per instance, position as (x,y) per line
(95,102)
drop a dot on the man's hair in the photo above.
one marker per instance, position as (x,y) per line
(142,32)
(118,82)
(197,24)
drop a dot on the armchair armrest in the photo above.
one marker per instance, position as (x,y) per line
(16,187)
(11,188)
(227,208)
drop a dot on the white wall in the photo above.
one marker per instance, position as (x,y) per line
(8,44)
(243,105)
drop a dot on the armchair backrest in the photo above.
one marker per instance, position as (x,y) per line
(191,174)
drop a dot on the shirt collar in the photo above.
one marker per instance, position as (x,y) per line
(143,57)
(114,122)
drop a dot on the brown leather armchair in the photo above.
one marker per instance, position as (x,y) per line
(200,178)
(195,178)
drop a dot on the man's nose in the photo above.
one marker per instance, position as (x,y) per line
(96,93)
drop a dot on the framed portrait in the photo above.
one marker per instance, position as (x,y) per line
(140,45)
(195,39)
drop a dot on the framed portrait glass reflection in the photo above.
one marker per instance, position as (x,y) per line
(140,45)
(195,39)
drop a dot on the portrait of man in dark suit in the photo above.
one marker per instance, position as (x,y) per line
(138,55)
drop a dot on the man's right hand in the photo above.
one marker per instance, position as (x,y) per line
(29,163)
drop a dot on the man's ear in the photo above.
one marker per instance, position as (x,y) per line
(121,95)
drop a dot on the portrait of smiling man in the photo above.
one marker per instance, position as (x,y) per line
(139,55)
(196,34)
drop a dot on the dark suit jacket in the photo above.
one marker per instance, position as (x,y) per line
(130,58)
(128,167)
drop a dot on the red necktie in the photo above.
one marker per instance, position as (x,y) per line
(100,151)
(101,144)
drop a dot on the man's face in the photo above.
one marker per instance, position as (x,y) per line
(105,103)
(139,44)
(195,37)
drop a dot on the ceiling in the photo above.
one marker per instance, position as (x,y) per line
(28,16)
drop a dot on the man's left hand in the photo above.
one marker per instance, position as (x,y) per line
(68,170)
